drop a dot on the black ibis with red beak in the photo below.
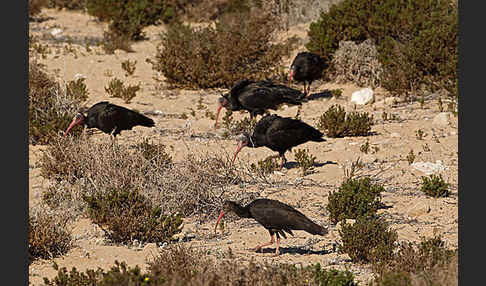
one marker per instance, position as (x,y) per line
(257,97)
(110,118)
(278,218)
(306,67)
(279,134)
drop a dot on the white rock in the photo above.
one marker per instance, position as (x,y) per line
(79,75)
(429,167)
(362,96)
(56,32)
(442,119)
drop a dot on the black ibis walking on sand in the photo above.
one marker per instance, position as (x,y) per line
(278,218)
(279,134)
(110,119)
(306,67)
(257,97)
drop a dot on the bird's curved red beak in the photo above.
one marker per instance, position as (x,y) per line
(221,214)
(76,120)
(240,145)
(217,114)
(291,75)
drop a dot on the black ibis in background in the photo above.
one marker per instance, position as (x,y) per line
(110,118)
(279,134)
(257,97)
(278,218)
(306,67)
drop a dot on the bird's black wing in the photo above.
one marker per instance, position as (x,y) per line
(269,96)
(285,133)
(124,118)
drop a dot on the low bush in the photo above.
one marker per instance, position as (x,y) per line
(336,123)
(304,160)
(240,45)
(435,186)
(49,236)
(265,166)
(179,265)
(51,107)
(368,239)
(129,67)
(68,4)
(417,41)
(190,186)
(129,215)
(116,88)
(426,263)
(35,6)
(355,198)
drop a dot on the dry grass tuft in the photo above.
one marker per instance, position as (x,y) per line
(356,63)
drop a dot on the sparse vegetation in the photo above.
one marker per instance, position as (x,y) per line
(49,236)
(51,107)
(368,239)
(410,157)
(129,215)
(265,166)
(129,67)
(304,160)
(355,198)
(238,46)
(116,88)
(335,123)
(435,186)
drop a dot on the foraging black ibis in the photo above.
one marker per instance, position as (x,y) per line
(278,218)
(279,134)
(306,67)
(110,118)
(257,97)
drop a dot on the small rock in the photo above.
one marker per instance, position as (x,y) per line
(428,167)
(442,119)
(56,32)
(363,96)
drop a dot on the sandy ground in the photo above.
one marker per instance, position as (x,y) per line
(412,215)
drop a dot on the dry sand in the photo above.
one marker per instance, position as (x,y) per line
(413,214)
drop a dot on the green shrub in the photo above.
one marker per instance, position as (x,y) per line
(154,152)
(68,4)
(113,41)
(51,108)
(428,260)
(417,41)
(332,277)
(304,160)
(127,17)
(129,215)
(265,166)
(335,123)
(116,88)
(435,186)
(355,198)
(35,6)
(48,236)
(240,45)
(368,239)
(129,67)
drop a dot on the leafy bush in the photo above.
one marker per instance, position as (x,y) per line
(116,88)
(265,166)
(35,6)
(304,160)
(368,239)
(129,215)
(240,45)
(127,17)
(51,107)
(335,123)
(427,261)
(48,235)
(435,186)
(332,277)
(129,67)
(417,41)
(355,198)
(68,4)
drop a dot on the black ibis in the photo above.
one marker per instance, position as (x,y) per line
(110,118)
(278,218)
(306,67)
(257,97)
(279,134)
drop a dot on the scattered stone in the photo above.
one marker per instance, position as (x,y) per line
(363,96)
(428,167)
(56,33)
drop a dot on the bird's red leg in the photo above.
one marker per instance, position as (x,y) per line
(284,160)
(259,247)
(305,91)
(277,252)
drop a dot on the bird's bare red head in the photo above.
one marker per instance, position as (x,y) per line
(77,120)
(222,102)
